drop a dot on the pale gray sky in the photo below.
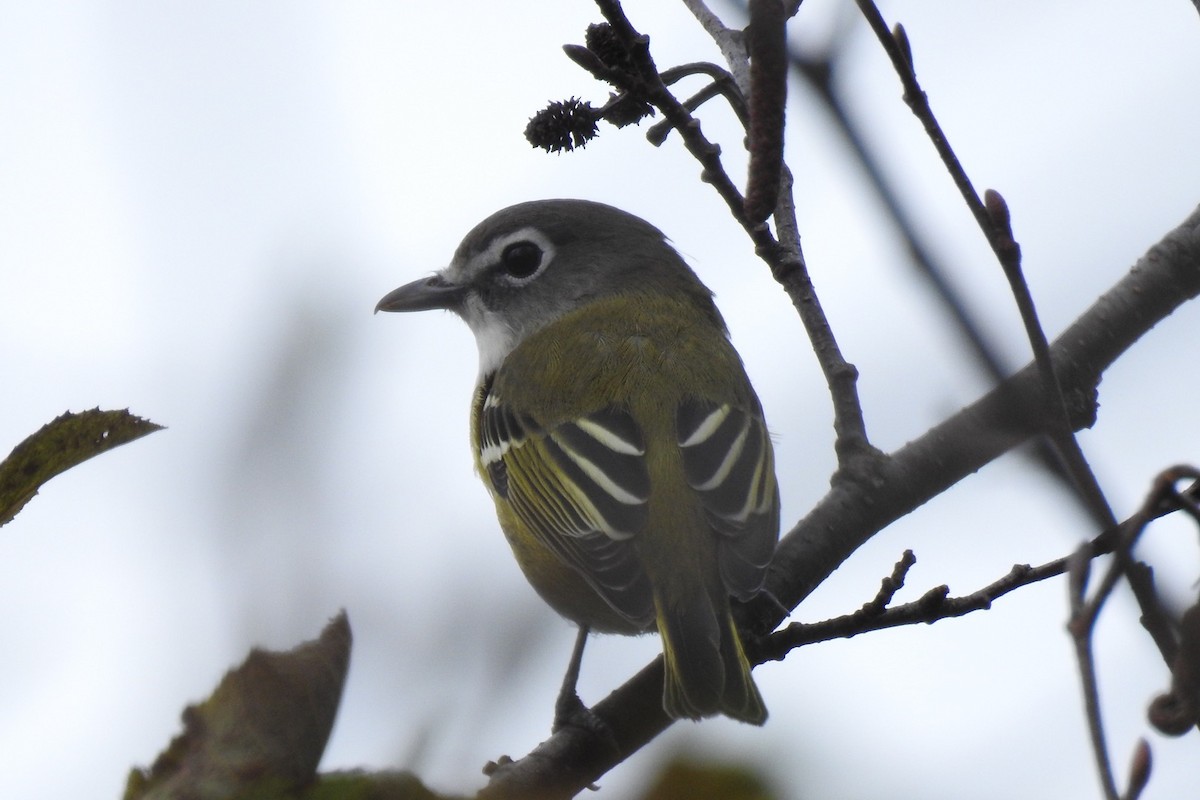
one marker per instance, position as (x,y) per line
(201,204)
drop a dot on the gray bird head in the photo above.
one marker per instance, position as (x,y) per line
(527,265)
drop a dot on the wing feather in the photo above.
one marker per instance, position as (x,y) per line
(728,461)
(581,488)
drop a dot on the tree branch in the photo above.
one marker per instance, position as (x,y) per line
(1081,626)
(1162,280)
(991,213)
(933,606)
(897,48)
(783,256)
(818,73)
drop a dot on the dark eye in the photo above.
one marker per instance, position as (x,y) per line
(521,259)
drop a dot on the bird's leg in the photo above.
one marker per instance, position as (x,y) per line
(568,708)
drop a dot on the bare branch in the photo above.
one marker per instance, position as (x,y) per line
(818,72)
(898,50)
(936,605)
(731,42)
(767,41)
(1162,498)
(992,215)
(1074,462)
(1166,277)
(933,606)
(890,585)
(870,490)
(1162,280)
(1178,710)
(783,256)
(1080,627)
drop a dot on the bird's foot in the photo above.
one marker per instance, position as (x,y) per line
(569,711)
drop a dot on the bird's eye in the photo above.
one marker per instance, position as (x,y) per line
(521,259)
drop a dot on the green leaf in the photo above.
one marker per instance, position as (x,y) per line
(61,444)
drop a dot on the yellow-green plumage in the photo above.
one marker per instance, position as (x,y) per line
(644,355)
(620,438)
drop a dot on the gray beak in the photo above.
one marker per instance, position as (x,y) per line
(422,295)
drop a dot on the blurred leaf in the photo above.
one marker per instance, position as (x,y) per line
(687,779)
(61,444)
(262,732)
(371,786)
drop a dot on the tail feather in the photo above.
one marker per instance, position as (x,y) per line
(741,699)
(707,671)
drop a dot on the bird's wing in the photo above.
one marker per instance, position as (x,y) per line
(581,488)
(729,462)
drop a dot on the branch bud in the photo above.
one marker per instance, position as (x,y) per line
(901,38)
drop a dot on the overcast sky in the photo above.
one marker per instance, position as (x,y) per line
(202,203)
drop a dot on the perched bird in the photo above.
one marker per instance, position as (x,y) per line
(615,427)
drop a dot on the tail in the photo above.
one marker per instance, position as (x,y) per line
(707,671)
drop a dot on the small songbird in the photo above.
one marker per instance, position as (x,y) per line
(615,427)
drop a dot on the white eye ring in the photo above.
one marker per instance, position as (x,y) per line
(519,257)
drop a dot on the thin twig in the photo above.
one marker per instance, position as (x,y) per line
(634,710)
(652,89)
(1081,625)
(1091,699)
(675,74)
(1086,612)
(933,606)
(1166,277)
(991,213)
(918,103)
(657,133)
(1074,461)
(1177,711)
(818,73)
(1164,497)
(722,84)
(783,256)
(731,42)
(890,585)
(766,39)
(936,605)
(856,456)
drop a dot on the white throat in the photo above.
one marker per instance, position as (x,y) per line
(494,338)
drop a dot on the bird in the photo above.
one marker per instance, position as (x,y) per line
(619,436)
